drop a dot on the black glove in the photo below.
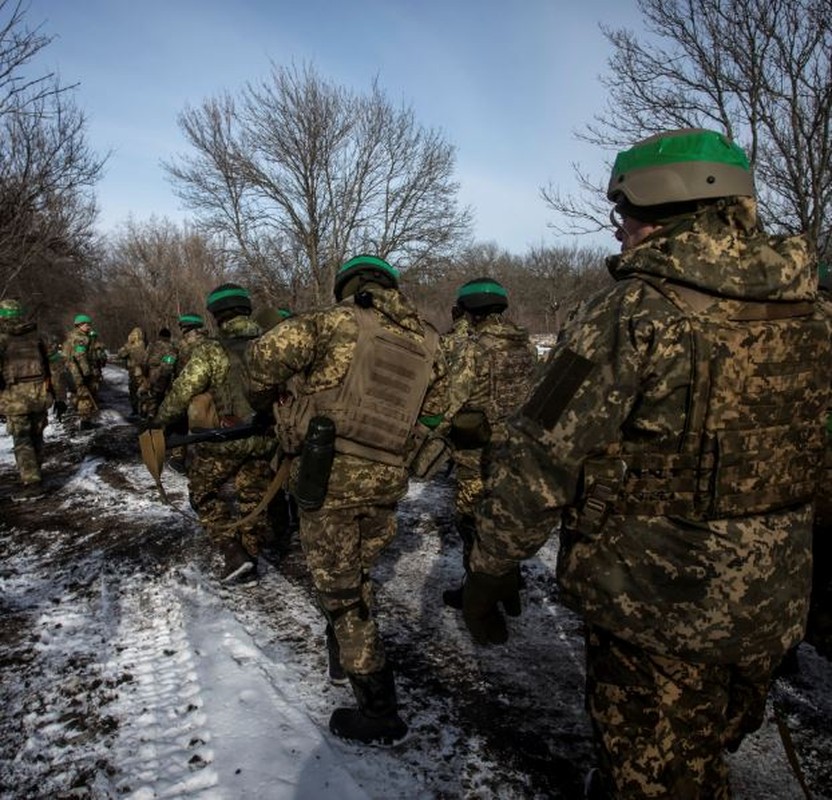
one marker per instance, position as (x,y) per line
(480,596)
(60,409)
(149,423)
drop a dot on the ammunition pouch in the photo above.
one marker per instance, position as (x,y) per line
(431,452)
(315,465)
(470,430)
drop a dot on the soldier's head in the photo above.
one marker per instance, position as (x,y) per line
(671,174)
(11,313)
(190,322)
(227,301)
(361,273)
(267,317)
(83,322)
(482,296)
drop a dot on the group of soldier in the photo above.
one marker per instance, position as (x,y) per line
(674,440)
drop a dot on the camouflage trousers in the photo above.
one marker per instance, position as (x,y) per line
(341,546)
(661,725)
(469,485)
(224,487)
(26,431)
(84,403)
(133,384)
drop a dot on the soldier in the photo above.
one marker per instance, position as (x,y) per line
(193,331)
(134,353)
(491,363)
(157,373)
(57,371)
(368,368)
(209,390)
(79,368)
(98,360)
(675,434)
(819,626)
(25,392)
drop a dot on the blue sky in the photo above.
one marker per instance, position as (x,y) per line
(507,83)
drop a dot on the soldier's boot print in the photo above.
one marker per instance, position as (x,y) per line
(337,675)
(376,720)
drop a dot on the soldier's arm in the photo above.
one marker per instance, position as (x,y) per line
(194,379)
(277,355)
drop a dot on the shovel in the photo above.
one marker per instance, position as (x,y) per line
(152,445)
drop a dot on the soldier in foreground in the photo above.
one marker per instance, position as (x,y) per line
(25,392)
(366,370)
(676,435)
(209,391)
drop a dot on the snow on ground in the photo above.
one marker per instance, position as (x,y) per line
(127,671)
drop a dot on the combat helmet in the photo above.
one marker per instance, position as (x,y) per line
(675,169)
(189,322)
(482,296)
(229,299)
(364,269)
(10,309)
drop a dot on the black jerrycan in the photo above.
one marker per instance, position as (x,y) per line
(315,463)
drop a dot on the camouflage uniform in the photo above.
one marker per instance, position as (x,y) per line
(492,374)
(690,596)
(245,462)
(158,368)
(25,395)
(76,350)
(819,627)
(370,373)
(344,538)
(134,352)
(98,360)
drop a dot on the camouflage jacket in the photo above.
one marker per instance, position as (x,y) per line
(317,348)
(620,380)
(160,359)
(76,350)
(207,372)
(496,370)
(187,344)
(458,355)
(30,392)
(134,352)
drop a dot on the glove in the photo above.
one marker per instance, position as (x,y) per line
(149,423)
(480,596)
(59,407)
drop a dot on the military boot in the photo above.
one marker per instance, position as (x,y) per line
(376,720)
(337,676)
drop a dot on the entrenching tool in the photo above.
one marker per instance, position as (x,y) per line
(152,445)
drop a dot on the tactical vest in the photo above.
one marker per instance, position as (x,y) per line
(23,359)
(232,405)
(377,405)
(510,373)
(753,438)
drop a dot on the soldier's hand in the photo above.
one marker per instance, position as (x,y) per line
(480,597)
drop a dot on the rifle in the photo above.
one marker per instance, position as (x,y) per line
(216,435)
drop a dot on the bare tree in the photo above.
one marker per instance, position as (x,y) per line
(300,174)
(758,70)
(47,173)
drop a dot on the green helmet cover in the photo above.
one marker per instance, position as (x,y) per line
(191,321)
(228,296)
(678,166)
(482,295)
(376,269)
(80,319)
(10,309)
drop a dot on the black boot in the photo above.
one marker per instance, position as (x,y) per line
(376,720)
(239,565)
(453,598)
(337,676)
